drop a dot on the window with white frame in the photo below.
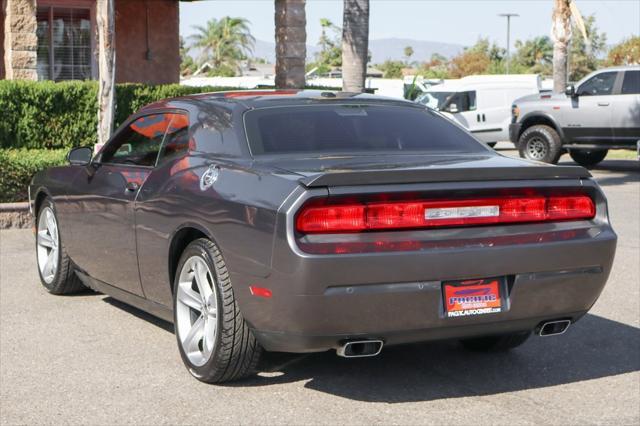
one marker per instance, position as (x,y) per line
(64,43)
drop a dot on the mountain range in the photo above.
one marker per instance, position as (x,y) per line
(381,49)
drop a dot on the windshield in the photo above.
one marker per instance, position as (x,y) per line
(353,128)
(435,100)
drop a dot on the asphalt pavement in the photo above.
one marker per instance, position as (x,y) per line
(89,359)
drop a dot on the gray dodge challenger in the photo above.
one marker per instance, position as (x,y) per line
(305,221)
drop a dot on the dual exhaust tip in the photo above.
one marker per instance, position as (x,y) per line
(367,348)
(553,328)
(360,348)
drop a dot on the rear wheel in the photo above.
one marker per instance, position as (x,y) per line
(540,143)
(496,343)
(588,158)
(54,265)
(214,340)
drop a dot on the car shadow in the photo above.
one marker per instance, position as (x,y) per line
(160,323)
(593,348)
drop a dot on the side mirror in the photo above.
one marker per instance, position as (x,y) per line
(80,156)
(452,108)
(570,91)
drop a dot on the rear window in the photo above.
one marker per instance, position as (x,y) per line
(353,128)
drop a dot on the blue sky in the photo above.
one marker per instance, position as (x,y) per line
(453,21)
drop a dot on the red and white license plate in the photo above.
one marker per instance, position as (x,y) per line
(472,297)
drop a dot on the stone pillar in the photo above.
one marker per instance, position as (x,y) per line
(20,40)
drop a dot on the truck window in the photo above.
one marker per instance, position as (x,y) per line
(631,83)
(598,85)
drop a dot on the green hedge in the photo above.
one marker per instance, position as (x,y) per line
(44,114)
(17,167)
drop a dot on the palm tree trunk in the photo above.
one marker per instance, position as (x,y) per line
(355,44)
(107,69)
(561,32)
(291,43)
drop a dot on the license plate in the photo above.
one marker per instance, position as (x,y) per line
(472,297)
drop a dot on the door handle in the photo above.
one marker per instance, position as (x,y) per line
(132,186)
(603,103)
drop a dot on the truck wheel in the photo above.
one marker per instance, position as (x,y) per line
(214,340)
(586,158)
(496,343)
(54,265)
(540,143)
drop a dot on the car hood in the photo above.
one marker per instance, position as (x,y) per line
(391,169)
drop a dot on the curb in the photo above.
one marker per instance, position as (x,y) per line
(15,216)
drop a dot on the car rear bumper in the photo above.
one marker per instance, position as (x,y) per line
(553,271)
(397,297)
(514,132)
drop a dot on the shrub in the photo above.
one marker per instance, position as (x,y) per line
(45,114)
(18,166)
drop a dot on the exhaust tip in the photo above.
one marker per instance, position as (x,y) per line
(360,348)
(553,328)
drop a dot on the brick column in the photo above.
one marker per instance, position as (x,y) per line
(20,40)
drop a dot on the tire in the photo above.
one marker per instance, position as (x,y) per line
(492,144)
(540,143)
(586,158)
(220,347)
(55,268)
(496,343)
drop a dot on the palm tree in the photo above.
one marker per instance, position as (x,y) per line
(355,44)
(536,54)
(561,31)
(291,43)
(224,42)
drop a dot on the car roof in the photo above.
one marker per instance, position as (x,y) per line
(249,99)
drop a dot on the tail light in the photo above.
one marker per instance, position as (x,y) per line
(327,217)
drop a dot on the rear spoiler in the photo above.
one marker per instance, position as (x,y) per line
(433,175)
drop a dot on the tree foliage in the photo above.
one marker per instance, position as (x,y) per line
(392,69)
(583,59)
(535,56)
(625,53)
(223,43)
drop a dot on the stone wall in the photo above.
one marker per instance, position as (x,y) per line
(20,40)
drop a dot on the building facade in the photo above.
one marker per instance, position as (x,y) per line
(56,40)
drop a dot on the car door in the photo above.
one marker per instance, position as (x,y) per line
(626,109)
(588,117)
(490,115)
(103,229)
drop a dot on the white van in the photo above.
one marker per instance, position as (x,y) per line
(481,103)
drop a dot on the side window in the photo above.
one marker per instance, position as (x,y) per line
(460,100)
(598,85)
(631,83)
(176,141)
(472,100)
(138,144)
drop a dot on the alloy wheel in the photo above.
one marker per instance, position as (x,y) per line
(196,310)
(48,243)
(537,148)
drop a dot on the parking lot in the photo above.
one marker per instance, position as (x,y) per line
(90,359)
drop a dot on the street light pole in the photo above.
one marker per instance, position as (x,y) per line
(508,16)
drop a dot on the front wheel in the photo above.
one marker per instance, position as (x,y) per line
(214,340)
(496,343)
(54,265)
(540,143)
(586,158)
